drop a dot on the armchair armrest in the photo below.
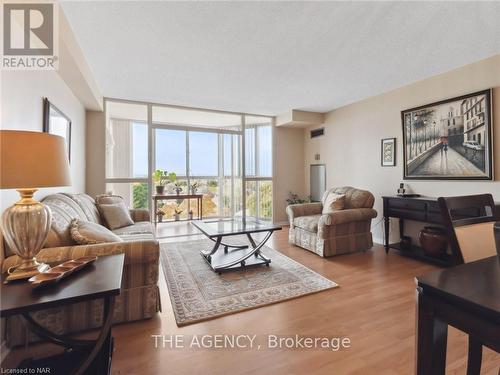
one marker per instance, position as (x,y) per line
(139,214)
(303,209)
(350,215)
(136,252)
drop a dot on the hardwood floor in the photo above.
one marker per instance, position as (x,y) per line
(374,307)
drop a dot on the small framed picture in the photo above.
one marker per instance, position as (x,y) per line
(57,123)
(388,152)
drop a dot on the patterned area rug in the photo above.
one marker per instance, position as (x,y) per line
(198,293)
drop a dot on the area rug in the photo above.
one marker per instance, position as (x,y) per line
(198,293)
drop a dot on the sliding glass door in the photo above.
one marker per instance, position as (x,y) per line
(228,156)
(207,160)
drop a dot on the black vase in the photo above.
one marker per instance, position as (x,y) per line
(160,189)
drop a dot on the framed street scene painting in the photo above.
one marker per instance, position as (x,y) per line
(57,123)
(449,140)
(388,150)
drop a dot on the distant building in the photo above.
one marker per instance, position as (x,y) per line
(452,126)
(473,110)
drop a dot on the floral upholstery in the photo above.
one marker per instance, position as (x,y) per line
(338,232)
(139,298)
(309,223)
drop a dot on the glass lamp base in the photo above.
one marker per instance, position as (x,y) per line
(26,225)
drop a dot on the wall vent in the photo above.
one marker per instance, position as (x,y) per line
(317,132)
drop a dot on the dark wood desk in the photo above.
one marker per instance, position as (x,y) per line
(466,297)
(102,279)
(166,197)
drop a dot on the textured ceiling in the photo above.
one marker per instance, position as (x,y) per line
(269,57)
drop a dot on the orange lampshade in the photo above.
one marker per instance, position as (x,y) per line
(32,160)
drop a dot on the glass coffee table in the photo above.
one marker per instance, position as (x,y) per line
(224,256)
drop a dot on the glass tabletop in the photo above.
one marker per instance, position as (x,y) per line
(228,227)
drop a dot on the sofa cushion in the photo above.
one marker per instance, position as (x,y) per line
(333,202)
(116,215)
(88,206)
(140,231)
(64,209)
(309,223)
(89,233)
(108,199)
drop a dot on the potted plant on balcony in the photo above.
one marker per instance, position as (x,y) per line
(172,178)
(177,213)
(160,179)
(160,213)
(194,187)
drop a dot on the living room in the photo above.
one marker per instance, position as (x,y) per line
(282,187)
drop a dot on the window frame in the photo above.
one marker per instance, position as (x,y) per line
(152,126)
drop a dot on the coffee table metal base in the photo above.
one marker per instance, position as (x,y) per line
(226,257)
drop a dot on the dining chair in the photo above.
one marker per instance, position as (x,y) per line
(470,222)
(497,237)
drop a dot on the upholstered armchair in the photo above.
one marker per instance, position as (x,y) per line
(338,232)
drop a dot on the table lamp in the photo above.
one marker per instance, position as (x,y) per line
(28,161)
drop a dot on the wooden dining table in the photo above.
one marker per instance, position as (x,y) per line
(466,297)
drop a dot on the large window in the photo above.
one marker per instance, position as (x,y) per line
(259,167)
(203,154)
(199,146)
(127,152)
(170,151)
(201,158)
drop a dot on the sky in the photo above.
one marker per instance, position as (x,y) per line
(203,146)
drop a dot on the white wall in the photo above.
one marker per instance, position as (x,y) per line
(22,109)
(351,146)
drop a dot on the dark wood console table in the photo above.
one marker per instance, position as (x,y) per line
(421,209)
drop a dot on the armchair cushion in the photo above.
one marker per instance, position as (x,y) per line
(355,198)
(333,202)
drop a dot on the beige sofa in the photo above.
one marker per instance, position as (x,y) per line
(344,231)
(139,298)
